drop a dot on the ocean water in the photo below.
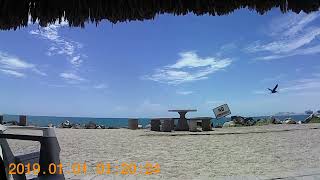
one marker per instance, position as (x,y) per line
(117,122)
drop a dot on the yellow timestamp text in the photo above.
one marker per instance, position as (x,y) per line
(36,169)
(83,169)
(127,168)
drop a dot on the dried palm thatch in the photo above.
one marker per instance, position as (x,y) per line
(17,13)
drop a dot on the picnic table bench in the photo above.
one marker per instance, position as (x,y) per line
(182,122)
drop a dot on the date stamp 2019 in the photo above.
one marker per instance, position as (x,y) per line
(82,168)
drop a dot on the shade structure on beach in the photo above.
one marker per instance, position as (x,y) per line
(18,13)
(1,119)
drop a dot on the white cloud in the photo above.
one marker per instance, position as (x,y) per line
(12,73)
(11,62)
(304,51)
(11,65)
(61,45)
(76,60)
(190,67)
(100,86)
(184,92)
(71,77)
(39,72)
(287,44)
(301,85)
(293,35)
(292,24)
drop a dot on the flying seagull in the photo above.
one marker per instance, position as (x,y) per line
(274,90)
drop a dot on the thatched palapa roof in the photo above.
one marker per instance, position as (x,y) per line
(16,13)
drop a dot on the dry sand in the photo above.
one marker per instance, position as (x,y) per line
(243,151)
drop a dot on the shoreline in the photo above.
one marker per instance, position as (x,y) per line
(121,122)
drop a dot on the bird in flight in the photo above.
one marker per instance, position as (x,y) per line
(274,90)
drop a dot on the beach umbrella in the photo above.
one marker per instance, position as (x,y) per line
(20,13)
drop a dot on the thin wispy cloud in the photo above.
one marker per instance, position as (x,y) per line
(292,24)
(227,49)
(12,65)
(291,35)
(12,73)
(188,68)
(11,62)
(302,85)
(289,44)
(305,51)
(60,45)
(100,86)
(72,78)
(184,92)
(37,71)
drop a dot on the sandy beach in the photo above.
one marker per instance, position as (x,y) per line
(269,151)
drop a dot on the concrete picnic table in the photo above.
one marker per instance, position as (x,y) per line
(182,123)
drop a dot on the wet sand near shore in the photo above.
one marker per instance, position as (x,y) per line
(241,151)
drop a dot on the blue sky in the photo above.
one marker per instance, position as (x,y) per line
(142,69)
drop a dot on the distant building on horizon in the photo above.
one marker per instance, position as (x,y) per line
(286,114)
